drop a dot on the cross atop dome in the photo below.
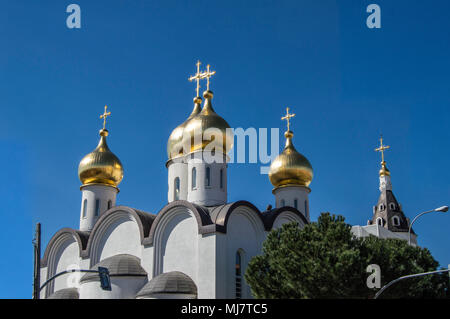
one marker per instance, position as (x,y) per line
(382,148)
(207,75)
(104,116)
(197,77)
(288,117)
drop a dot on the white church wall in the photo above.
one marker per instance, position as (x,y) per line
(90,194)
(147,260)
(176,243)
(118,234)
(121,288)
(206,261)
(64,255)
(288,196)
(245,233)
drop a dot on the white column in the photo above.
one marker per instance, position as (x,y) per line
(95,200)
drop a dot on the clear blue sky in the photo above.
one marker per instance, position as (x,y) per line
(346,83)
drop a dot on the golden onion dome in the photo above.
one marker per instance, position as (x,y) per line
(205,129)
(384,170)
(101,166)
(174,145)
(290,168)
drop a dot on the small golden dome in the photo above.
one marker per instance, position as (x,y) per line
(384,170)
(174,145)
(290,167)
(199,130)
(101,166)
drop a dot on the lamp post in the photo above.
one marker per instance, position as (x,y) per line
(442,209)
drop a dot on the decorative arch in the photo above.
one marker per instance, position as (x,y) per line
(109,219)
(204,223)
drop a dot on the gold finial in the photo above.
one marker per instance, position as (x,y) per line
(197,77)
(382,148)
(207,75)
(104,116)
(288,117)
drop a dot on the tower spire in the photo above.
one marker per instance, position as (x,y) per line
(385,175)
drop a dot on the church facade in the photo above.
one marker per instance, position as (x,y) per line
(198,245)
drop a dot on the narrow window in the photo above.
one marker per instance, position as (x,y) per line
(395,221)
(194,178)
(221,178)
(282,204)
(380,221)
(392,206)
(208,177)
(84,208)
(177,189)
(296,204)
(238,275)
(109,204)
(97,207)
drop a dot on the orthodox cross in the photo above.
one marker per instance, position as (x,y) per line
(382,148)
(207,75)
(104,116)
(197,77)
(288,117)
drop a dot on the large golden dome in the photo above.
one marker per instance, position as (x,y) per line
(174,144)
(101,166)
(290,168)
(199,132)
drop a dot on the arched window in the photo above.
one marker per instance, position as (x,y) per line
(238,275)
(282,203)
(109,204)
(176,192)
(392,206)
(395,221)
(221,178)
(382,207)
(194,178)
(295,203)
(97,207)
(208,177)
(84,208)
(380,221)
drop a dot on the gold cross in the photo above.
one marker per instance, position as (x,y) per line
(288,118)
(207,75)
(197,77)
(104,116)
(382,148)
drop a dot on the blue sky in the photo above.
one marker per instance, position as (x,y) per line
(346,83)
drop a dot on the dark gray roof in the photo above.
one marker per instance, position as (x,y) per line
(67,293)
(174,282)
(384,211)
(118,265)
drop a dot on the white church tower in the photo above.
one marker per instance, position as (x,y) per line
(197,150)
(291,173)
(100,172)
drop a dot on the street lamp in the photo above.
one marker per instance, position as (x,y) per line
(442,209)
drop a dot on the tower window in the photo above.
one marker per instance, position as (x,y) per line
(306,209)
(109,204)
(238,275)
(208,177)
(295,203)
(221,178)
(382,207)
(84,208)
(392,206)
(395,221)
(177,188)
(97,207)
(194,178)
(282,203)
(380,221)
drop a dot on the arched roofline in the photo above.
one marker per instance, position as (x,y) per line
(221,214)
(271,215)
(204,223)
(81,237)
(144,221)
